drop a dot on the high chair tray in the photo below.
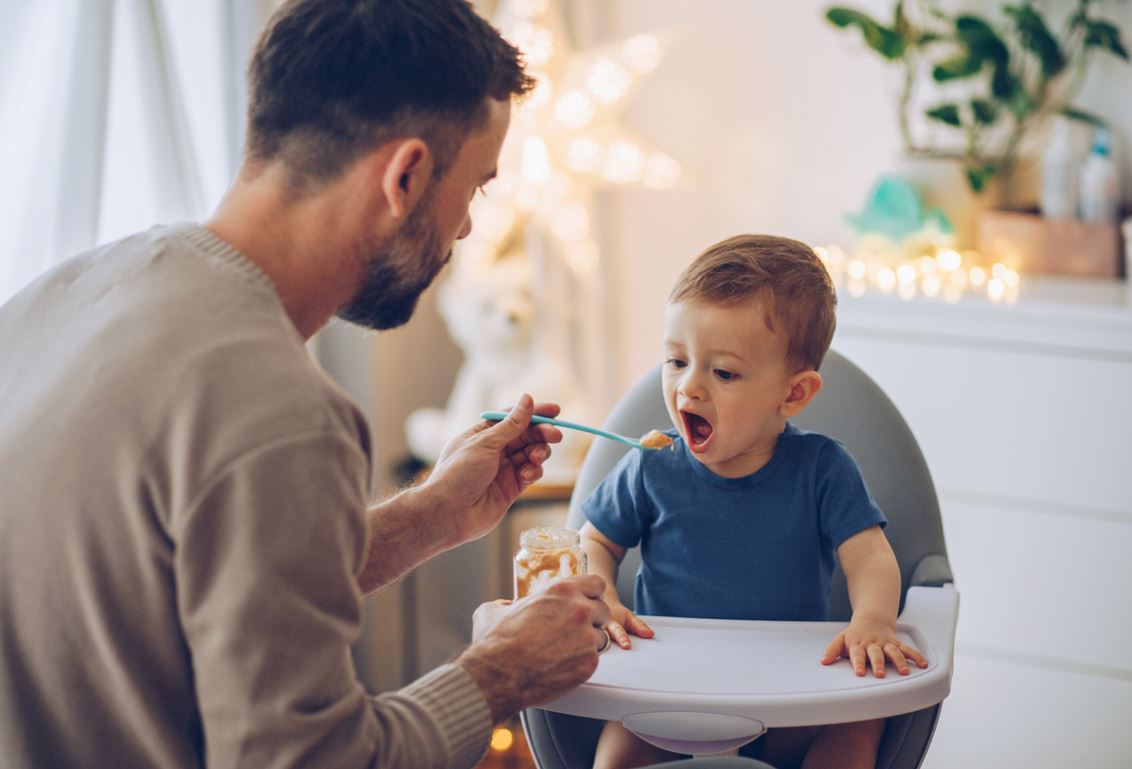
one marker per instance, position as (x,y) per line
(703,683)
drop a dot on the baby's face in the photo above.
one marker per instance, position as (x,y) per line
(725,379)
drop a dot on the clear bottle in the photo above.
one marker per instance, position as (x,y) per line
(1060,169)
(547,553)
(1100,195)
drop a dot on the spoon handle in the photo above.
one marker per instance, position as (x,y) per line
(496,416)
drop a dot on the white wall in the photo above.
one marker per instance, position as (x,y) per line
(782,123)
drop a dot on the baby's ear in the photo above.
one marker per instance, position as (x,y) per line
(803,387)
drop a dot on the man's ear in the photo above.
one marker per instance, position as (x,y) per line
(406,175)
(803,387)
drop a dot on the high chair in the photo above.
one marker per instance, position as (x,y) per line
(717,684)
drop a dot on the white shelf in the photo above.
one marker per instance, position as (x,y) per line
(1085,314)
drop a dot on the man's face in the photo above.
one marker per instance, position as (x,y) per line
(399,269)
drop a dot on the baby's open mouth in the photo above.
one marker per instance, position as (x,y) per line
(697,429)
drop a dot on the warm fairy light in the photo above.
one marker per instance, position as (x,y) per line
(623,162)
(949,260)
(535,41)
(574,109)
(566,141)
(608,80)
(642,53)
(996,289)
(502,739)
(945,273)
(886,279)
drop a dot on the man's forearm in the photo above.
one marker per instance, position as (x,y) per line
(404,531)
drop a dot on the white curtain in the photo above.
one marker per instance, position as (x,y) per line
(114,115)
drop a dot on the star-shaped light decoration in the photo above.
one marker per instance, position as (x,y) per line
(565,140)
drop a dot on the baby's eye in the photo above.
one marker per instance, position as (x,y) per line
(725,375)
(480,190)
(675,363)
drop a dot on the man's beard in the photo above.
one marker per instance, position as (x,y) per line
(398,273)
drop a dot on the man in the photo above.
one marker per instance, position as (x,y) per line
(184,540)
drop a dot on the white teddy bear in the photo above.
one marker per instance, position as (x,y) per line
(492,315)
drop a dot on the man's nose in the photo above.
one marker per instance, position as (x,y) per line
(466,229)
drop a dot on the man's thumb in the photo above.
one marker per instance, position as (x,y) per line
(518,419)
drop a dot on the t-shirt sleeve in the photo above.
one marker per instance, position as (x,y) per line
(844,503)
(618,507)
(266,559)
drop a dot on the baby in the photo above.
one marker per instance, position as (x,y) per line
(743,518)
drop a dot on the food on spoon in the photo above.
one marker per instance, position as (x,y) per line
(655,439)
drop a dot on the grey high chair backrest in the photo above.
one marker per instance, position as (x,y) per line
(851,408)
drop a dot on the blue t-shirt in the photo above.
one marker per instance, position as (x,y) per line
(758,547)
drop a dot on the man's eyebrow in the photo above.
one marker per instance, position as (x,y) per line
(491,175)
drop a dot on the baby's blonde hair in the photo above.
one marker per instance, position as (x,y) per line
(786,274)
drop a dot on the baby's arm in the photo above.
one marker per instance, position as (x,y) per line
(603,556)
(873,578)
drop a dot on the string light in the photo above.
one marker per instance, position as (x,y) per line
(566,140)
(946,274)
(502,739)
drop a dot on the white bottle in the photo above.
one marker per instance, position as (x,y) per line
(1059,172)
(1100,197)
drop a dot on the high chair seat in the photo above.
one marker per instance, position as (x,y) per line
(707,686)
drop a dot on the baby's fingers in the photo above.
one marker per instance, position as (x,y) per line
(833,651)
(877,660)
(913,654)
(894,653)
(617,632)
(637,626)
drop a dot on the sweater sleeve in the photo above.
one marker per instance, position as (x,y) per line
(265,567)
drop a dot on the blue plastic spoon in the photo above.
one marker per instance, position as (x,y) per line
(652,440)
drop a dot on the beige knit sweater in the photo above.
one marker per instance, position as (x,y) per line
(182,496)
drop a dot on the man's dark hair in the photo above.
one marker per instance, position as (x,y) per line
(330,79)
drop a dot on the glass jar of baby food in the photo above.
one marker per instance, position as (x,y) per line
(547,553)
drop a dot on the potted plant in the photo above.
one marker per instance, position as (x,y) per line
(972,88)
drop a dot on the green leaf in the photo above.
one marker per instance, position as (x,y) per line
(980,39)
(1004,85)
(979,175)
(1103,35)
(900,23)
(985,111)
(1036,37)
(887,42)
(956,68)
(945,113)
(1081,116)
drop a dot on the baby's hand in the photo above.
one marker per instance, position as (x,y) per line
(867,642)
(622,622)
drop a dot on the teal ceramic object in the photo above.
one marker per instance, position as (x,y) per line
(896,210)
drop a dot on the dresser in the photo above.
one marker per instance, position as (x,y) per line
(1024,413)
